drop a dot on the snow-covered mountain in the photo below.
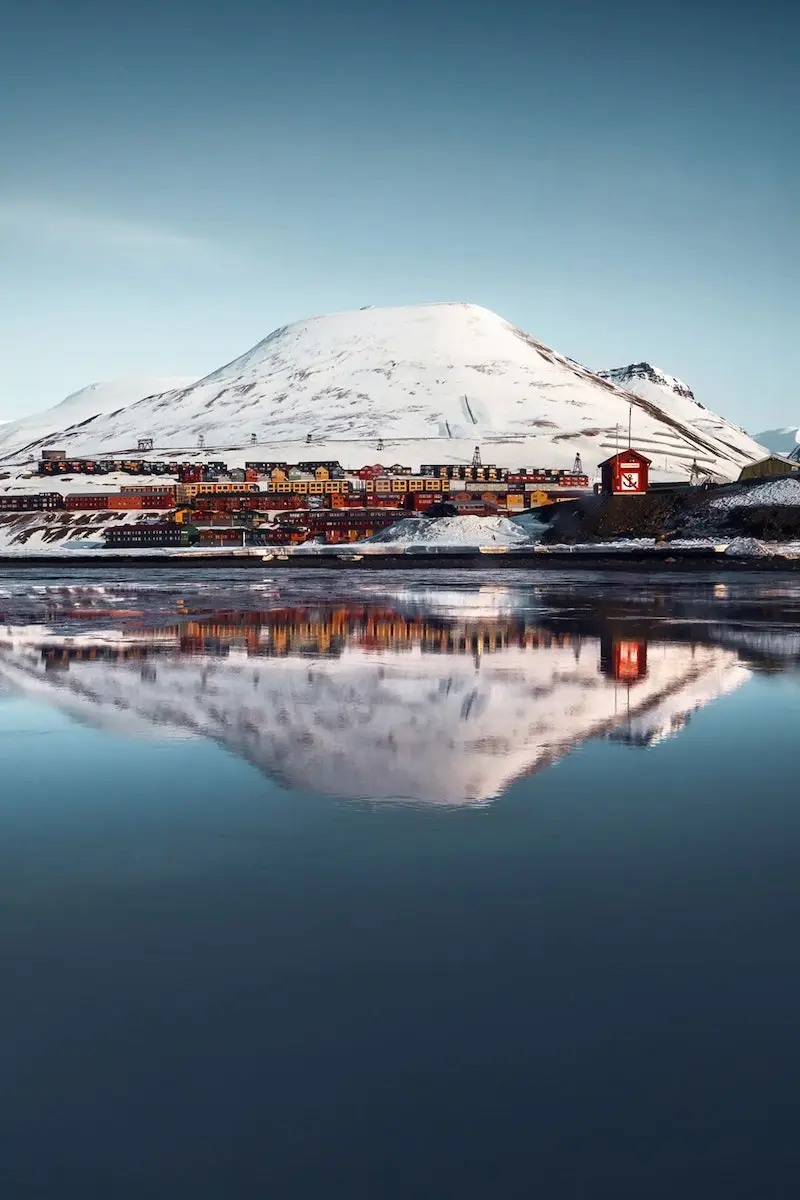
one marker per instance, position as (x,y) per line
(95,400)
(427,383)
(677,399)
(780,441)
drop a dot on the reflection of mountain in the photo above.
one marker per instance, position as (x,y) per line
(366,702)
(668,713)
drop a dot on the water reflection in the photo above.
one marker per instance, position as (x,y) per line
(412,694)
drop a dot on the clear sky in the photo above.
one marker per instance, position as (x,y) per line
(621,179)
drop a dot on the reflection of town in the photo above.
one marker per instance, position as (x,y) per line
(312,632)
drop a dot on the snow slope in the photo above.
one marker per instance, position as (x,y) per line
(430,382)
(677,399)
(96,399)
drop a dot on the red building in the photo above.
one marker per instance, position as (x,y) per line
(81,501)
(625,474)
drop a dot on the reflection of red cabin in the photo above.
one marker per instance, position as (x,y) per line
(629,660)
(625,660)
(625,474)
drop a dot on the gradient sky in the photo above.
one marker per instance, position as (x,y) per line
(620,179)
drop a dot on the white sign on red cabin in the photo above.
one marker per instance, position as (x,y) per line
(630,479)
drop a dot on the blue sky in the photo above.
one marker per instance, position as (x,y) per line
(620,179)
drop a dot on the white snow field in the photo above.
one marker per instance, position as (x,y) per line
(97,399)
(464,532)
(416,384)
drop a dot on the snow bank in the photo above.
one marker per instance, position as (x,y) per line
(464,532)
(620,546)
(749,547)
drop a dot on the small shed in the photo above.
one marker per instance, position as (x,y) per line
(766,468)
(625,474)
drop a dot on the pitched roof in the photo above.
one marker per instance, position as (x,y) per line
(781,458)
(629,453)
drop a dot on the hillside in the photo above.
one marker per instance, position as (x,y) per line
(429,382)
(677,400)
(97,399)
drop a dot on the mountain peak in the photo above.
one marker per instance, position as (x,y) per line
(645,371)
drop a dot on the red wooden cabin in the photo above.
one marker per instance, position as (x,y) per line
(625,474)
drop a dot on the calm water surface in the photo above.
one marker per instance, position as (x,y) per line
(379,887)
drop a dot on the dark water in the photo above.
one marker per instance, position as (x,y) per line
(375,888)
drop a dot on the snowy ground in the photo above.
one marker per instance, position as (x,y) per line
(63,534)
(459,532)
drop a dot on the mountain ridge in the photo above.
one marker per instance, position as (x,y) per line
(780,441)
(677,398)
(95,399)
(624,376)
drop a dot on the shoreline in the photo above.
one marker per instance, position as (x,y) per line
(440,559)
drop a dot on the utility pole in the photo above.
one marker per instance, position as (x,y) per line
(630,422)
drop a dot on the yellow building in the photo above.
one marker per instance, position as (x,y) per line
(308,487)
(538,499)
(188,491)
(776,464)
(385,485)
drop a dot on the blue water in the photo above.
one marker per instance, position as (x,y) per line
(219,984)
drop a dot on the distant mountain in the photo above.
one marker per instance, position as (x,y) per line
(418,384)
(780,441)
(677,399)
(94,400)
